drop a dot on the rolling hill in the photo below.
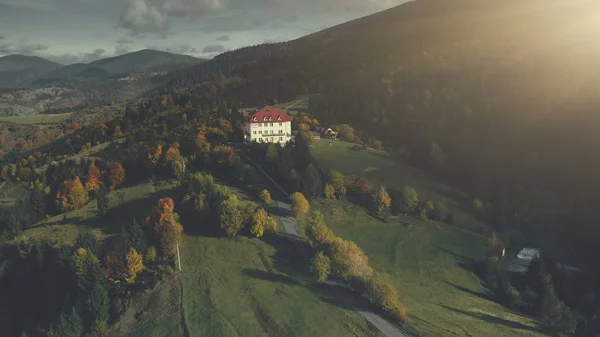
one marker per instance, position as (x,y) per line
(17,70)
(505,91)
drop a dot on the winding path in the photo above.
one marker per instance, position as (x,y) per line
(289,222)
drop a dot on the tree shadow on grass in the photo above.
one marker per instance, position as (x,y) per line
(271,277)
(465,262)
(486,296)
(493,319)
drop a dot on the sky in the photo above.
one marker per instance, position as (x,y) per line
(70,31)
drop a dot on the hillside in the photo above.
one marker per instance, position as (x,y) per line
(17,70)
(495,87)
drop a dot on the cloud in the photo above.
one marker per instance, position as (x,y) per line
(2,37)
(124,41)
(155,16)
(220,38)
(215,48)
(77,58)
(121,49)
(141,17)
(174,49)
(21,48)
(93,56)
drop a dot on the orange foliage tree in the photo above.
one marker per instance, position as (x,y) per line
(173,153)
(116,175)
(165,226)
(202,146)
(226,127)
(71,195)
(154,158)
(224,156)
(94,179)
(347,259)
(114,266)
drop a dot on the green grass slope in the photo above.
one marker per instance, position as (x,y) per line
(244,287)
(430,262)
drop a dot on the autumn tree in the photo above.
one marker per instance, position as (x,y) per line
(320,267)
(94,179)
(265,197)
(329,191)
(202,147)
(114,266)
(71,195)
(173,153)
(154,157)
(426,209)
(224,156)
(299,204)
(150,254)
(166,228)
(382,292)
(348,260)
(230,216)
(382,202)
(258,221)
(317,232)
(133,265)
(116,175)
(337,180)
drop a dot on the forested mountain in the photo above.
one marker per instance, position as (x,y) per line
(499,96)
(26,71)
(17,70)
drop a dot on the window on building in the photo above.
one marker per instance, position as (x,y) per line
(280,124)
(254,132)
(281,139)
(271,138)
(271,124)
(260,132)
(280,132)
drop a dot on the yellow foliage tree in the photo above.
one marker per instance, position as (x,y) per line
(133,265)
(71,195)
(259,219)
(347,259)
(299,204)
(265,197)
(337,180)
(329,191)
(382,202)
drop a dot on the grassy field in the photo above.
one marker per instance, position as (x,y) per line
(36,119)
(12,192)
(430,262)
(248,287)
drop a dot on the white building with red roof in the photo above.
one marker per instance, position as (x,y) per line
(269,125)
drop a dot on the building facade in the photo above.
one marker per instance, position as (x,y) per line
(269,125)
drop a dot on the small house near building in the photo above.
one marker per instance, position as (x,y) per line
(524,258)
(327,133)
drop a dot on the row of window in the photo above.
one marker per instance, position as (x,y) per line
(267,124)
(272,139)
(266,132)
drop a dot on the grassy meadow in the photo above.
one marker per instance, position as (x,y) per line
(430,262)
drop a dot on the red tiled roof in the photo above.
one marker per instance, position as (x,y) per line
(269,114)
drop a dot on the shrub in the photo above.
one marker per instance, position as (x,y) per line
(230,216)
(329,191)
(478,204)
(513,297)
(100,329)
(320,267)
(439,212)
(299,204)
(382,203)
(265,197)
(555,316)
(426,209)
(151,254)
(347,259)
(409,201)
(317,233)
(337,180)
(381,292)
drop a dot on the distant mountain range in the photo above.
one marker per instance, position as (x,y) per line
(19,71)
